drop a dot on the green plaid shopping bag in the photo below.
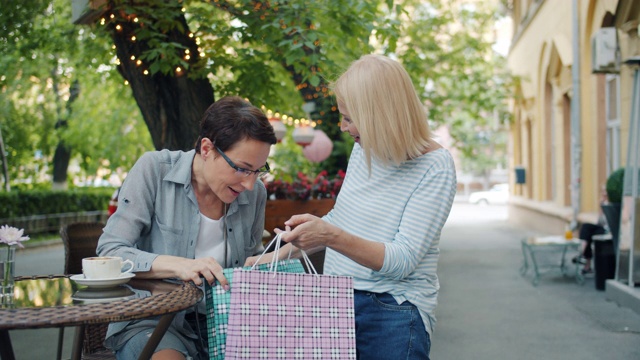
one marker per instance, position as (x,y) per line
(218,301)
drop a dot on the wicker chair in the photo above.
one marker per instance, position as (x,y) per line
(80,241)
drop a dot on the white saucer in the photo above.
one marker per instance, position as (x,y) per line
(102,283)
(92,294)
(93,301)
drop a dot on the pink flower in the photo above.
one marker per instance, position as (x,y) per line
(12,236)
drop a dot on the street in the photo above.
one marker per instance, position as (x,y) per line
(486,310)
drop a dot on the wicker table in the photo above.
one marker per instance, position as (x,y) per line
(48,302)
(551,245)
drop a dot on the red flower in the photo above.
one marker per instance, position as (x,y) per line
(302,189)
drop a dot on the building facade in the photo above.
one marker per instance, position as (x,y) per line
(576,62)
(542,57)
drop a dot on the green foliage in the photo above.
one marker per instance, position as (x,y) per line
(464,83)
(287,159)
(42,54)
(614,186)
(41,202)
(278,54)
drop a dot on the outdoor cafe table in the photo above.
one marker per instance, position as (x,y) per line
(52,301)
(541,251)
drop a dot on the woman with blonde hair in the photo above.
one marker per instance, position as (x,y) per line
(186,215)
(384,229)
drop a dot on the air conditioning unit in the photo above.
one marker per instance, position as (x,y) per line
(604,48)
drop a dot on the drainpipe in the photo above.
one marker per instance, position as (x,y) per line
(576,146)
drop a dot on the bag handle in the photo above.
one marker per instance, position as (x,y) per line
(277,240)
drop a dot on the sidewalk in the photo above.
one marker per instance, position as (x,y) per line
(486,310)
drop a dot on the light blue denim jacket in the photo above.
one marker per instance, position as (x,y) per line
(158,215)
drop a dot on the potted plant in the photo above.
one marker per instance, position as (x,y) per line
(300,196)
(611,209)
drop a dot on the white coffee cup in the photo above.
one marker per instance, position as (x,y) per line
(105,267)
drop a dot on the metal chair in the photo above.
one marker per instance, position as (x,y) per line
(80,241)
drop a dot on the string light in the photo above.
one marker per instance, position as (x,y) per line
(135,19)
(126,82)
(146,72)
(133,38)
(139,62)
(133,57)
(119,27)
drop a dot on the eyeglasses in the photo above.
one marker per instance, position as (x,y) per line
(245,172)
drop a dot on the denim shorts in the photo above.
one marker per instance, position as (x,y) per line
(134,346)
(386,330)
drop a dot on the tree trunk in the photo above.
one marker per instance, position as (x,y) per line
(62,156)
(61,159)
(5,167)
(172,105)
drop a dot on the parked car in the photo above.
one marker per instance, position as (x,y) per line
(498,194)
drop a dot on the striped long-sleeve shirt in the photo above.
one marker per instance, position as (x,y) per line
(404,207)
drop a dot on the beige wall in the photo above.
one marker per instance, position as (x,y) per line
(541,56)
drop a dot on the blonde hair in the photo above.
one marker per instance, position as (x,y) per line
(379,96)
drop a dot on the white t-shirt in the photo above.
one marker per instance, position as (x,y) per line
(211,241)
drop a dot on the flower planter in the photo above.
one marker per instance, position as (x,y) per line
(279,211)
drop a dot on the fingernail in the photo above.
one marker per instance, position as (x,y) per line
(226,288)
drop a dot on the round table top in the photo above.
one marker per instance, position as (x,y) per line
(56,300)
(551,240)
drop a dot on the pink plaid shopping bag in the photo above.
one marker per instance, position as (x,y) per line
(276,315)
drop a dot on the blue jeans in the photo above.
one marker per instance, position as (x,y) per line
(386,330)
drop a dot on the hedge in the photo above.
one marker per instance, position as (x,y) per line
(21,203)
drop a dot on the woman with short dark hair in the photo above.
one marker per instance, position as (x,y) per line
(188,215)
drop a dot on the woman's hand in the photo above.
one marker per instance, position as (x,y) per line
(192,269)
(252,260)
(167,266)
(309,232)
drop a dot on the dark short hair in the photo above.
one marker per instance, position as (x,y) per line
(232,119)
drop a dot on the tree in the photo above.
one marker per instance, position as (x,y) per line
(448,51)
(177,56)
(263,49)
(55,81)
(260,50)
